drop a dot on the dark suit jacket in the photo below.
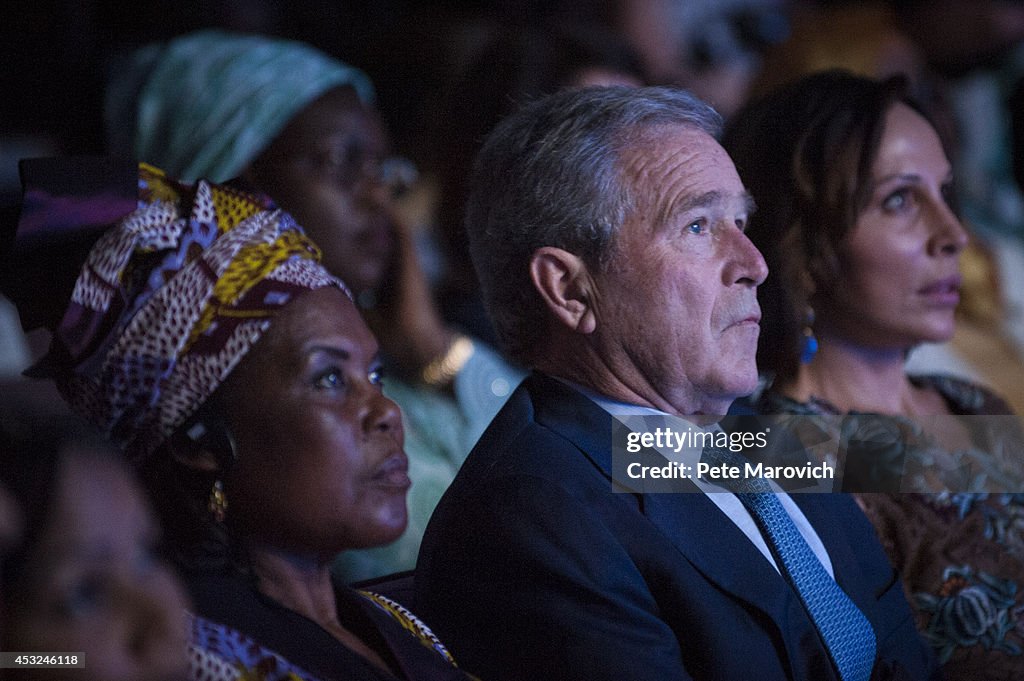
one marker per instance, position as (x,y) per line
(533,568)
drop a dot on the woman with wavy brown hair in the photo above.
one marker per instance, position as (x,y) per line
(857,223)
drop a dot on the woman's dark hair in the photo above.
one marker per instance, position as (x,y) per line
(805,152)
(180,493)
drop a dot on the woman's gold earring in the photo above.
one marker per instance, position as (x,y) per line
(218,504)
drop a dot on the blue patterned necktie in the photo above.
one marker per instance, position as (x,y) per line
(847,634)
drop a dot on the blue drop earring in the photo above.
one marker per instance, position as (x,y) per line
(809,344)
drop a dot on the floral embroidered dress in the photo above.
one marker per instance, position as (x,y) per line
(961,556)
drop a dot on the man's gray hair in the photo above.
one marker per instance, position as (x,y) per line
(549,175)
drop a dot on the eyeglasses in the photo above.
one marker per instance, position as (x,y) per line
(350,166)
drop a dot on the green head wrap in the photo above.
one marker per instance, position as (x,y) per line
(206,104)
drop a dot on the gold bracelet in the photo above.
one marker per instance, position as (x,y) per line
(442,369)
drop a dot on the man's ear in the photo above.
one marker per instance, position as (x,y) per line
(565,285)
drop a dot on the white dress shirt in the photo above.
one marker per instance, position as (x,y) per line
(726,501)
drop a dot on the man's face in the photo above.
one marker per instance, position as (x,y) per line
(677,313)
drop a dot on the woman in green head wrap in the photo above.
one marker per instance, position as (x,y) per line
(220,106)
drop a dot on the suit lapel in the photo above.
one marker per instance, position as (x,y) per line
(696,527)
(573,416)
(693,524)
(713,544)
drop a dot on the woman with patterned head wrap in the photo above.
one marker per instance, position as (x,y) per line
(300,127)
(204,336)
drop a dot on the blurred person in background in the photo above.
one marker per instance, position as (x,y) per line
(710,47)
(86,576)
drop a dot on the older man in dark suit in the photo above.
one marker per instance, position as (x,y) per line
(607,226)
